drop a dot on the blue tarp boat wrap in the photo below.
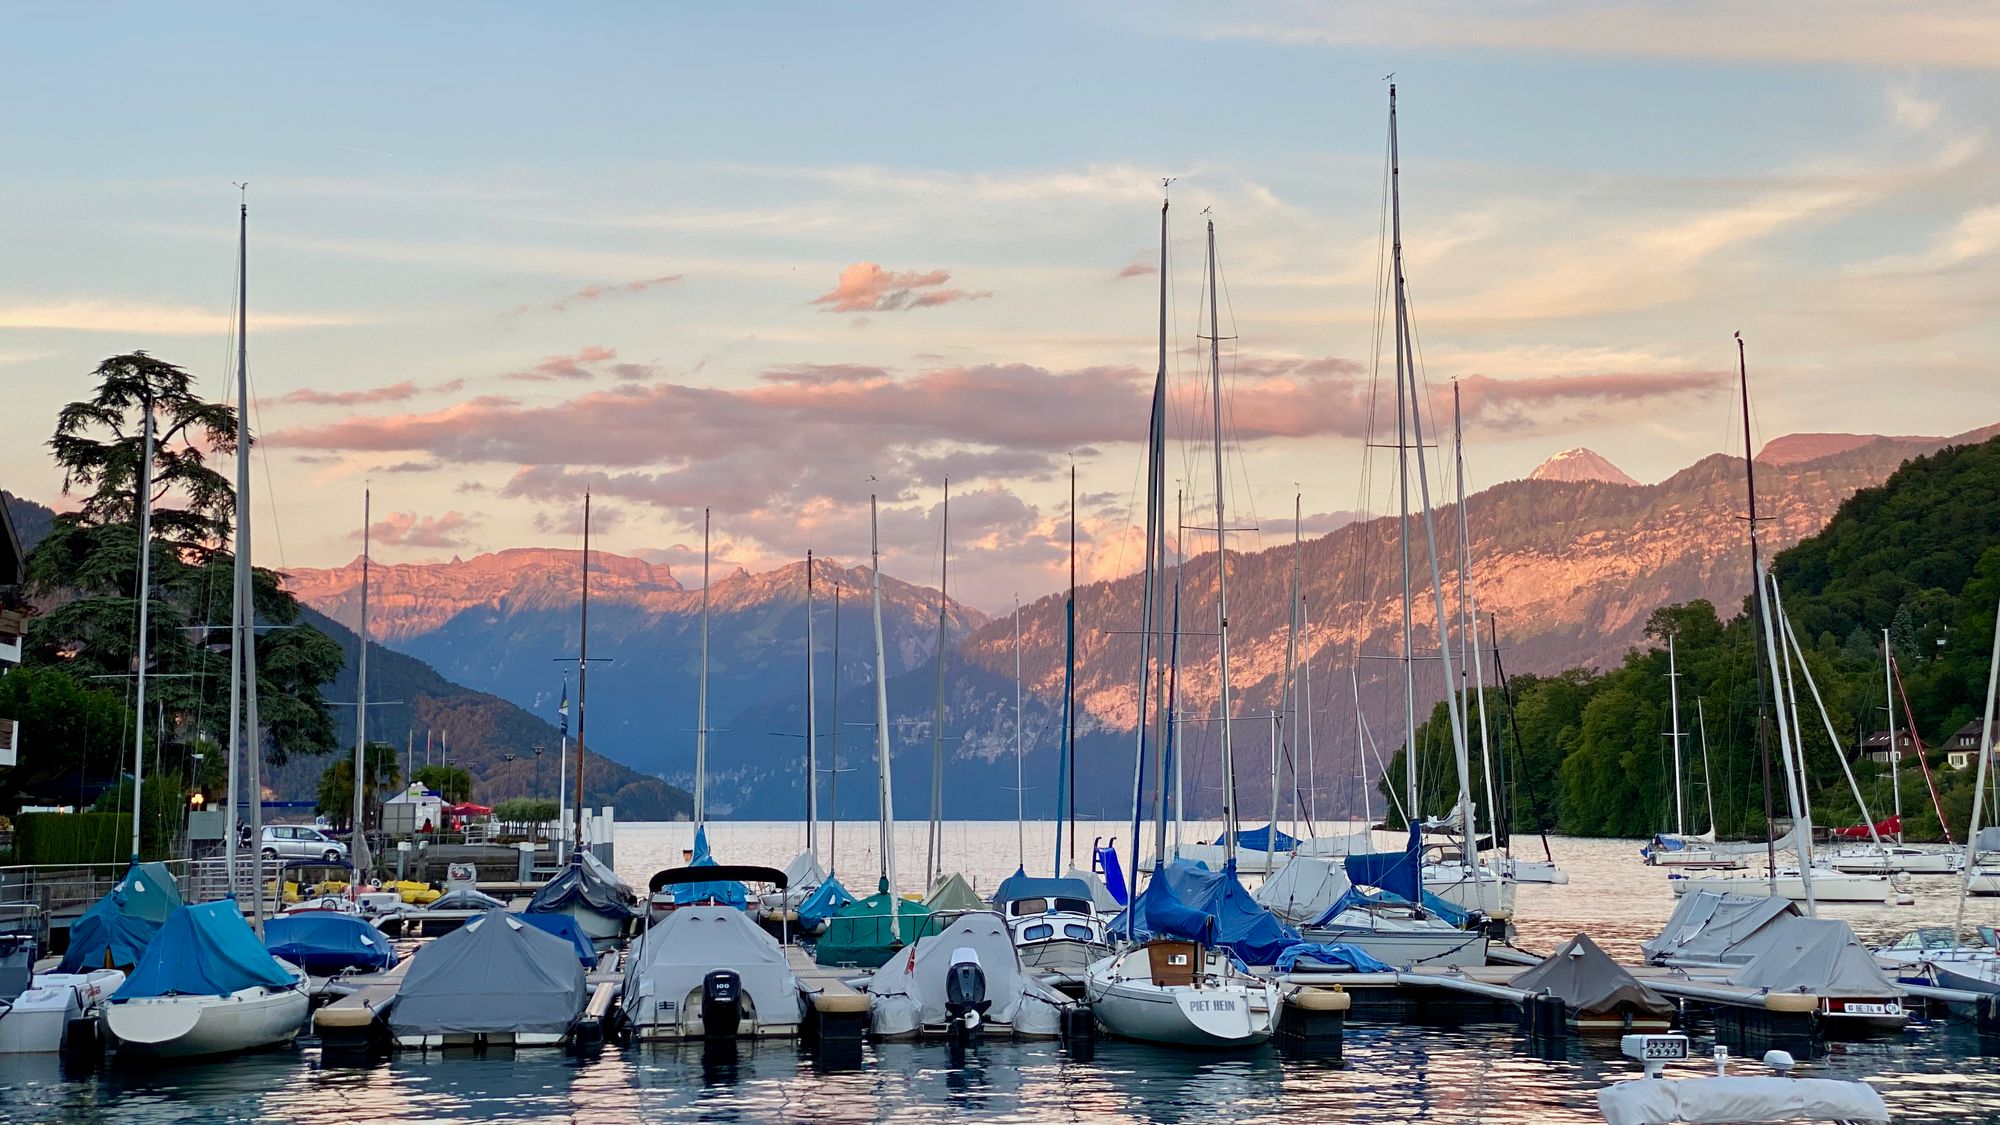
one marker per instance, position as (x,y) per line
(1022,885)
(578,883)
(206,950)
(1399,873)
(825,901)
(1259,839)
(726,892)
(1159,912)
(1186,900)
(325,942)
(116,930)
(1450,912)
(1338,953)
(566,927)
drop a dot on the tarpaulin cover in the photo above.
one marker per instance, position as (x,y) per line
(862,935)
(206,950)
(1588,980)
(326,941)
(1234,920)
(1303,889)
(723,892)
(1334,953)
(493,975)
(566,927)
(1021,885)
(908,992)
(466,898)
(1362,897)
(1816,955)
(1714,927)
(1889,826)
(582,882)
(1259,839)
(1646,1101)
(1399,873)
(116,929)
(825,901)
(954,895)
(670,961)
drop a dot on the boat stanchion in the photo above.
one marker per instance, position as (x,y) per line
(1313,1020)
(1079,1033)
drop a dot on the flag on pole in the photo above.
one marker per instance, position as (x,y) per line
(562,708)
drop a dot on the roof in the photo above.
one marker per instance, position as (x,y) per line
(1969,734)
(1880,740)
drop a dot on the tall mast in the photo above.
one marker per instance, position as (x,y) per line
(1020,807)
(1155,551)
(1174,678)
(1757,617)
(359,845)
(1306,724)
(884,789)
(143,480)
(1674,713)
(1707,781)
(1288,697)
(1413,809)
(1221,560)
(1793,764)
(812,745)
(1895,754)
(701,693)
(1468,635)
(833,771)
(582,671)
(1066,765)
(240,616)
(933,863)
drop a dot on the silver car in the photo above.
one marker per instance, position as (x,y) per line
(300,841)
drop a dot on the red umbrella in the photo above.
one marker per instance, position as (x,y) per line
(469,809)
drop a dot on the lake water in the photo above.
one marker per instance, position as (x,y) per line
(1389,1072)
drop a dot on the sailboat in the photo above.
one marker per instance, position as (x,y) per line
(1679,849)
(1892,856)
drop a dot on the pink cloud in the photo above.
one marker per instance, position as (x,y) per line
(594,292)
(407,529)
(867,287)
(575,367)
(394,392)
(1139,266)
(1519,403)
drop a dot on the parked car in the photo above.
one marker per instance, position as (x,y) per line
(300,841)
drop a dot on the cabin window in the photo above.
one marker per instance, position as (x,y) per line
(1073,905)
(1080,933)
(1026,906)
(1038,933)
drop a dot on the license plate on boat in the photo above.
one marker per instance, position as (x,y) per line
(1853,1008)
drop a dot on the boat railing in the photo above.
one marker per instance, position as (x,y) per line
(208,880)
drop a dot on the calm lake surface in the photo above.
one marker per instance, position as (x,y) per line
(1470,1073)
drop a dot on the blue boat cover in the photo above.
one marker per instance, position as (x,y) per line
(1338,953)
(1114,875)
(725,892)
(1022,885)
(1159,912)
(579,883)
(324,941)
(1186,900)
(206,950)
(1259,839)
(1399,873)
(116,929)
(825,901)
(566,927)
(1450,912)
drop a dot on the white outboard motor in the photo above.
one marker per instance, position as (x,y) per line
(965,1001)
(721,1004)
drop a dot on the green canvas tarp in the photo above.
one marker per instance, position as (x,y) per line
(861,934)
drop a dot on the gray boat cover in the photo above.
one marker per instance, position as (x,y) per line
(907,993)
(1718,928)
(1100,895)
(585,880)
(465,898)
(492,975)
(1820,956)
(1588,980)
(664,971)
(1305,889)
(1657,1101)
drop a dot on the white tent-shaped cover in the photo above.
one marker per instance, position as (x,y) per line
(493,976)
(1716,928)
(1305,889)
(1820,956)
(907,994)
(665,969)
(1100,895)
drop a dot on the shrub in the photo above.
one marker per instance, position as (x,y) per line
(65,838)
(525,810)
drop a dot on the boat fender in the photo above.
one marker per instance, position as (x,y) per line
(721,1004)
(1791,1003)
(1321,1000)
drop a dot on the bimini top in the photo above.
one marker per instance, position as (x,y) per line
(1588,980)
(584,882)
(326,941)
(724,891)
(1069,894)
(1718,928)
(1816,955)
(861,933)
(494,974)
(116,930)
(206,950)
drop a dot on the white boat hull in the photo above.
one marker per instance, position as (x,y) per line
(1913,861)
(1534,871)
(1488,893)
(187,1026)
(37,1020)
(1828,886)
(1462,949)
(1222,1009)
(1697,859)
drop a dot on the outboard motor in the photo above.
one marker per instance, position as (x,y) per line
(17,964)
(965,1001)
(721,1004)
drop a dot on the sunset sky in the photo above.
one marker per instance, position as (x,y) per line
(747,257)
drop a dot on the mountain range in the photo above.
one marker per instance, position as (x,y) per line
(1568,563)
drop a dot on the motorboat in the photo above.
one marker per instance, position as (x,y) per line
(325,943)
(1181,994)
(588,891)
(1658,1100)
(1539,871)
(964,980)
(494,980)
(707,971)
(1934,955)
(39,1006)
(1983,881)
(1055,931)
(206,986)
(1821,962)
(1599,997)
(1827,885)
(1868,859)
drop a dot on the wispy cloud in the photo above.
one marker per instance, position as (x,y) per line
(572,368)
(867,287)
(151,319)
(393,392)
(408,529)
(591,293)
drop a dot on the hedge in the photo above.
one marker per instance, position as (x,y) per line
(66,838)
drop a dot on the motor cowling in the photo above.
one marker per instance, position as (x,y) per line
(965,988)
(721,1004)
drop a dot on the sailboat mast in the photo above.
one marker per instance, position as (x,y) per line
(833,719)
(358,848)
(241,616)
(812,745)
(1149,612)
(1757,617)
(1707,780)
(1174,753)
(142,479)
(1895,754)
(1410,804)
(1288,699)
(1674,715)
(1066,765)
(884,789)
(582,672)
(701,694)
(1468,635)
(1020,802)
(1221,560)
(934,862)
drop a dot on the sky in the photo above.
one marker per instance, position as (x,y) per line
(768,260)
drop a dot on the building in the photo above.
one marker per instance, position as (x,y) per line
(1962,748)
(13,623)
(1875,747)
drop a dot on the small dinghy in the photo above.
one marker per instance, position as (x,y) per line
(325,943)
(206,986)
(589,892)
(35,1008)
(961,980)
(709,971)
(1599,996)
(494,980)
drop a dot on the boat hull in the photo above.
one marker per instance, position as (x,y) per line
(1488,893)
(1911,861)
(1461,949)
(190,1026)
(1221,1008)
(37,1020)
(1827,886)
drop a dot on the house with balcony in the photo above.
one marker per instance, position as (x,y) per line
(1962,748)
(1876,748)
